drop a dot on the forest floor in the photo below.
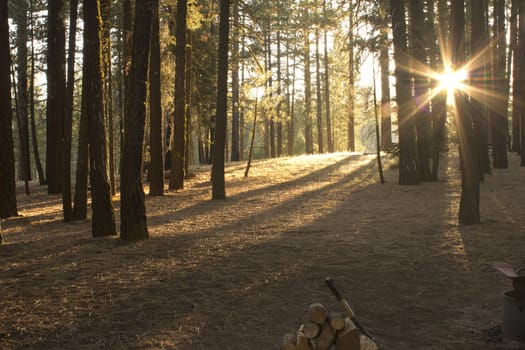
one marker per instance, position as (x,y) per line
(239,274)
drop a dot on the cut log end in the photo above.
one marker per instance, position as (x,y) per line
(317,313)
(337,320)
(310,329)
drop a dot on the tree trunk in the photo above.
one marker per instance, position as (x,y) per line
(242,107)
(179,115)
(81,173)
(499,122)
(308,136)
(217,175)
(329,139)
(384,60)
(351,80)
(103,217)
(235,149)
(520,101)
(439,102)
(68,115)
(36,153)
(271,110)
(252,139)
(469,202)
(279,101)
(421,83)
(515,147)
(22,113)
(8,205)
(133,210)
(319,99)
(56,91)
(481,109)
(291,113)
(405,106)
(156,170)
(188,84)
(105,10)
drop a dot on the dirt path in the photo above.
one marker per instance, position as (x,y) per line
(238,274)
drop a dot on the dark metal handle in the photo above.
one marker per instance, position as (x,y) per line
(333,288)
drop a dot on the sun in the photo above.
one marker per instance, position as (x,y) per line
(452,80)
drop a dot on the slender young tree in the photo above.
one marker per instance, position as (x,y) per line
(187,99)
(319,99)
(68,115)
(103,217)
(291,113)
(279,100)
(329,139)
(133,209)
(470,174)
(8,206)
(351,79)
(156,170)
(56,93)
(217,172)
(179,115)
(308,133)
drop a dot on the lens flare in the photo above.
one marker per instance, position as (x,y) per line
(452,80)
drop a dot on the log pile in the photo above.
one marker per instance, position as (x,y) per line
(326,330)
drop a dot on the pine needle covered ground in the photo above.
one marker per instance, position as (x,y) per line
(239,274)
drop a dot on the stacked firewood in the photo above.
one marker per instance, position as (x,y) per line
(326,330)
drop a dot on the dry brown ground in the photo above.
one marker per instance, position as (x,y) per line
(238,274)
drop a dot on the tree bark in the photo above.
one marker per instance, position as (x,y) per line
(405,106)
(499,120)
(235,149)
(133,210)
(179,115)
(22,113)
(308,136)
(36,153)
(469,202)
(521,78)
(8,206)
(187,96)
(351,80)
(439,102)
(421,83)
(319,99)
(103,217)
(218,182)
(384,60)
(329,139)
(68,115)
(156,170)
(56,91)
(515,147)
